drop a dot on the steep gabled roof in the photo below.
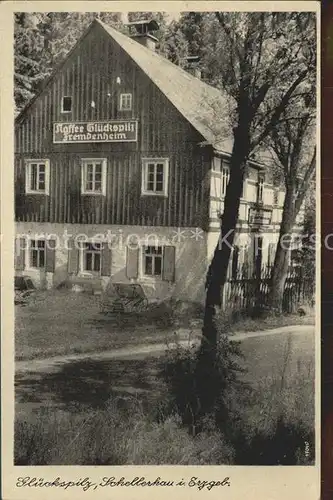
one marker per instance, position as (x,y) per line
(202,105)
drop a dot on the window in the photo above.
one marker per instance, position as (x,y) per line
(225,175)
(93,176)
(66,104)
(155,176)
(125,102)
(152,261)
(37,254)
(260,189)
(91,253)
(37,176)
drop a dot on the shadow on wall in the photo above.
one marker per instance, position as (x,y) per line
(191,273)
(189,285)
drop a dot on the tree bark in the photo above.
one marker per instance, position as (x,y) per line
(217,272)
(281,261)
(217,275)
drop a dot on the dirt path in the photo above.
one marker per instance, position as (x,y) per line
(54,363)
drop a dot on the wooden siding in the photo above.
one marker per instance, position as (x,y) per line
(90,74)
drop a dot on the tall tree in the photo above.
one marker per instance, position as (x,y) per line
(263,58)
(42,40)
(28,50)
(293,143)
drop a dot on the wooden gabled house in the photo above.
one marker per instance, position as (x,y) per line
(121,167)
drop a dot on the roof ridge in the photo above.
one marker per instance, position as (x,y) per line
(159,56)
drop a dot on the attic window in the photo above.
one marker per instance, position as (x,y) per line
(66,105)
(125,102)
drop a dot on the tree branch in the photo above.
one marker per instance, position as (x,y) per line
(305,183)
(279,109)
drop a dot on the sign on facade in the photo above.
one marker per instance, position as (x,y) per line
(260,216)
(110,131)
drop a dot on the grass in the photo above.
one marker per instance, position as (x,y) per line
(113,436)
(59,322)
(97,420)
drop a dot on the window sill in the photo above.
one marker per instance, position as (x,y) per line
(41,193)
(159,195)
(85,193)
(88,274)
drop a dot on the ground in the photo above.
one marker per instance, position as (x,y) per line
(74,362)
(62,322)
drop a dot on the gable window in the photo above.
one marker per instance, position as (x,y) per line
(152,260)
(155,173)
(93,176)
(66,104)
(91,257)
(125,102)
(37,176)
(37,254)
(260,189)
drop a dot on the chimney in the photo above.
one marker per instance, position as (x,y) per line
(192,66)
(141,31)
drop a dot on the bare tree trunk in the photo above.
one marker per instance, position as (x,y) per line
(281,262)
(217,274)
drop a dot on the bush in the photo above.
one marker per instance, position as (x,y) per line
(187,387)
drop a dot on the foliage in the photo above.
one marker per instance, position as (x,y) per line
(42,40)
(179,370)
(116,435)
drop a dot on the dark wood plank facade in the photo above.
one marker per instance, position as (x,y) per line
(90,74)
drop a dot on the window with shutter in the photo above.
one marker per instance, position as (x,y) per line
(37,253)
(90,257)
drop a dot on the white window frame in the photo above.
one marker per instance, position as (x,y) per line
(143,262)
(84,166)
(126,99)
(28,176)
(62,104)
(28,259)
(145,163)
(82,253)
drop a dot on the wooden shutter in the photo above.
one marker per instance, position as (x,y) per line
(73,258)
(50,250)
(132,262)
(20,244)
(169,263)
(106,260)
